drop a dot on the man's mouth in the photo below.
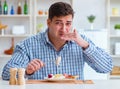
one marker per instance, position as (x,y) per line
(61,34)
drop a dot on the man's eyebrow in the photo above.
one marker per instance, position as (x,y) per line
(58,20)
(61,21)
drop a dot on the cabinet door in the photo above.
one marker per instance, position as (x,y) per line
(17,22)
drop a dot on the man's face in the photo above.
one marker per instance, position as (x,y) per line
(59,26)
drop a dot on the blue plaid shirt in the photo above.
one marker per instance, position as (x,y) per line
(73,57)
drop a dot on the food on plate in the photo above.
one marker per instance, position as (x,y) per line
(59,76)
(62,76)
(56,76)
(50,75)
(70,76)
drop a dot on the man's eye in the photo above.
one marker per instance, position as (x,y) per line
(68,24)
(58,23)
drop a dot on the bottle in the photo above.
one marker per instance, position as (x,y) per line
(12,12)
(25,7)
(19,9)
(0,8)
(5,8)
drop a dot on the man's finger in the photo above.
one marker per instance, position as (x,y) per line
(75,31)
(40,63)
(33,65)
(37,64)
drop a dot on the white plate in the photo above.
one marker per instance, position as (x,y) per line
(58,80)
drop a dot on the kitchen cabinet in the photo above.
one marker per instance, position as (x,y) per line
(33,22)
(19,26)
(114,37)
(15,22)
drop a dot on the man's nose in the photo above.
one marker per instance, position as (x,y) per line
(64,27)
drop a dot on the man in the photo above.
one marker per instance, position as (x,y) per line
(38,53)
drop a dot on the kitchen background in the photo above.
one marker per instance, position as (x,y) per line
(19,25)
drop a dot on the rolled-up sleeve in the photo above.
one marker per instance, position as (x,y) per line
(98,58)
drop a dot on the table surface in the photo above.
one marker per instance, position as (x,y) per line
(98,84)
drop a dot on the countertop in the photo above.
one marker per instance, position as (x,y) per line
(98,84)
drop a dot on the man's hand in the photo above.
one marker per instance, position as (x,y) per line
(74,36)
(33,66)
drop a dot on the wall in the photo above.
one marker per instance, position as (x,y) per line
(84,8)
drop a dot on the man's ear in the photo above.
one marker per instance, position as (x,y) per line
(48,22)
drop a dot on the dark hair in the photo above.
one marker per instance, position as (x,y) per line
(60,9)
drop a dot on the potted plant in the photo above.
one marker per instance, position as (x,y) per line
(40,27)
(91,19)
(117,28)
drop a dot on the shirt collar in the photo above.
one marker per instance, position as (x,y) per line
(46,36)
